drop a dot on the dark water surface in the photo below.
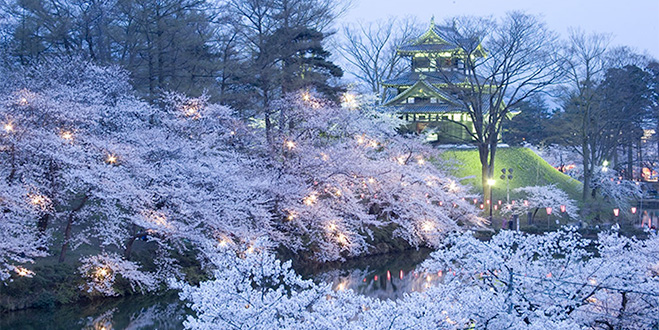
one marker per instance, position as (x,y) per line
(384,277)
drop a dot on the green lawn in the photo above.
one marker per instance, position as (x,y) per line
(528,170)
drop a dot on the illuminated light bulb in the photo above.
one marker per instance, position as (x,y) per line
(291,216)
(22,271)
(401,160)
(428,226)
(101,272)
(332,226)
(373,144)
(342,239)
(290,144)
(306,97)
(111,159)
(475,200)
(360,139)
(337,193)
(341,286)
(223,243)
(8,127)
(232,133)
(592,281)
(371,180)
(311,199)
(250,249)
(452,187)
(66,135)
(421,161)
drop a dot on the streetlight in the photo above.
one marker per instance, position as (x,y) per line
(491,182)
(507,178)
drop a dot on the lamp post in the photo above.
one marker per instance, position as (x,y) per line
(491,182)
(507,178)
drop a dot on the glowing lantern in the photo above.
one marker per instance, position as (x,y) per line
(475,200)
(428,226)
(487,202)
(526,203)
(111,159)
(499,202)
(548,209)
(482,206)
(9,127)
(420,161)
(306,97)
(633,209)
(375,278)
(66,135)
(496,207)
(290,144)
(400,274)
(21,271)
(616,212)
(563,208)
(388,275)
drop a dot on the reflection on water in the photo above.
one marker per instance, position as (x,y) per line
(134,312)
(384,277)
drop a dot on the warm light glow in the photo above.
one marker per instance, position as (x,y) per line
(337,193)
(311,199)
(111,159)
(101,272)
(324,156)
(66,135)
(526,203)
(371,180)
(633,210)
(563,208)
(421,161)
(373,144)
(8,127)
(428,226)
(491,182)
(291,216)
(331,226)
(452,187)
(41,201)
(548,209)
(22,271)
(616,212)
(592,281)
(250,249)
(360,139)
(342,239)
(475,200)
(401,160)
(306,97)
(349,100)
(22,101)
(223,242)
(289,144)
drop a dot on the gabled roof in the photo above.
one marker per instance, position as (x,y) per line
(435,39)
(424,88)
(432,77)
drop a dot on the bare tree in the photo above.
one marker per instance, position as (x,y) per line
(584,64)
(505,63)
(371,49)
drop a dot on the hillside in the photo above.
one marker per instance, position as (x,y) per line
(529,170)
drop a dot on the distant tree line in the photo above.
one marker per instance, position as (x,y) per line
(243,53)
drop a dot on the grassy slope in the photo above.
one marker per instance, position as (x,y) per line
(529,170)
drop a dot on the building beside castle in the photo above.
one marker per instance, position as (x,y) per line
(427,96)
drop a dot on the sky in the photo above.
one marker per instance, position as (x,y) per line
(633,23)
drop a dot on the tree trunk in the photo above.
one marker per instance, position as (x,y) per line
(69,224)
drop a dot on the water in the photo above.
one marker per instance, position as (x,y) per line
(384,277)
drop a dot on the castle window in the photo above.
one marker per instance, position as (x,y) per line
(410,100)
(433,100)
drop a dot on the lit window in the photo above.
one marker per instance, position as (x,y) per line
(433,100)
(410,100)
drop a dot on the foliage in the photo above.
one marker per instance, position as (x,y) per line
(514,281)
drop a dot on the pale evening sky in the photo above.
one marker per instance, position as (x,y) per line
(633,23)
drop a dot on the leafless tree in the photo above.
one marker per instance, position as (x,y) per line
(371,49)
(506,61)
